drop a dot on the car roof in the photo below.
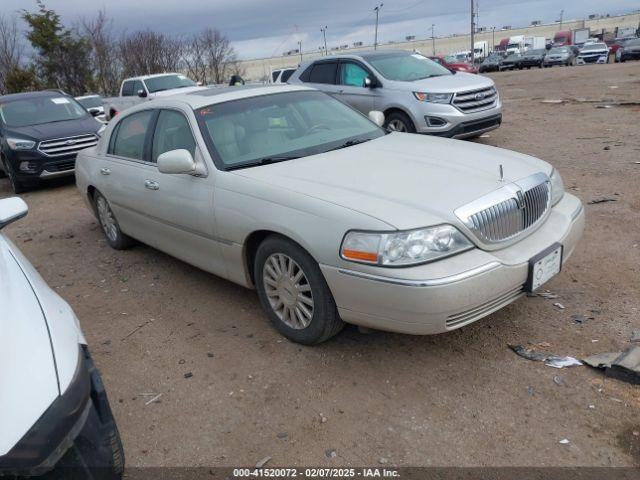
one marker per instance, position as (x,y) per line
(155,75)
(12,97)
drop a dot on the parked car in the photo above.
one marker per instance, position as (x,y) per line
(147,87)
(415,93)
(630,50)
(329,217)
(593,53)
(532,58)
(94,104)
(511,61)
(54,410)
(40,135)
(563,55)
(452,63)
(281,75)
(490,64)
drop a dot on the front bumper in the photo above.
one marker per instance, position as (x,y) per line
(555,61)
(37,166)
(75,437)
(599,59)
(450,293)
(453,122)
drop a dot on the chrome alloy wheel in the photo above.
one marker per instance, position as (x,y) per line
(397,126)
(288,291)
(107,220)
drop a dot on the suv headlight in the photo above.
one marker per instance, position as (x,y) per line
(433,97)
(20,144)
(557,187)
(403,248)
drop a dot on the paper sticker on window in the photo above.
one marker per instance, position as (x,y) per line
(59,101)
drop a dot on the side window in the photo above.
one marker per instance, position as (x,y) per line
(352,74)
(324,72)
(286,75)
(172,132)
(137,86)
(274,75)
(127,88)
(131,134)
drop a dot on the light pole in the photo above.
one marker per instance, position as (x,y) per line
(324,34)
(375,40)
(561,15)
(433,40)
(300,49)
(473,27)
(493,38)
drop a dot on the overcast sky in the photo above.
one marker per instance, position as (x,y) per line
(260,28)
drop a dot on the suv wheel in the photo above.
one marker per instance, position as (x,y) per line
(399,122)
(293,292)
(115,238)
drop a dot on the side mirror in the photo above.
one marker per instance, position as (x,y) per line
(176,161)
(376,117)
(94,111)
(12,209)
(142,93)
(369,82)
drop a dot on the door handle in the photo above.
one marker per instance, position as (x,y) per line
(105,171)
(151,185)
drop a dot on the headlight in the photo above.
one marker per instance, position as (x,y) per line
(433,97)
(557,187)
(398,249)
(20,144)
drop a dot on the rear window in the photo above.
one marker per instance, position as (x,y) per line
(127,88)
(324,73)
(131,134)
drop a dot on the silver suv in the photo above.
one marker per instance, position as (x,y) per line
(415,93)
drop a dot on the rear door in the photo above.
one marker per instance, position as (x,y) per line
(323,76)
(352,91)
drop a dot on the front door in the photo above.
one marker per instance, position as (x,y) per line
(352,90)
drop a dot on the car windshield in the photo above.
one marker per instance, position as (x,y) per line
(559,50)
(406,67)
(450,59)
(595,46)
(281,126)
(90,102)
(39,110)
(168,82)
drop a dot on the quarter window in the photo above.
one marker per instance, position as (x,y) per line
(172,133)
(131,134)
(352,74)
(127,88)
(324,72)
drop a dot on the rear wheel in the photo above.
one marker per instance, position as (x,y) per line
(399,122)
(294,293)
(115,238)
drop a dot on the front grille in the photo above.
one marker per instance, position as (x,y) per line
(60,166)
(476,313)
(509,211)
(476,100)
(480,125)
(67,145)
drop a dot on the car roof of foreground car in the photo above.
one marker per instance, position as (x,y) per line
(12,97)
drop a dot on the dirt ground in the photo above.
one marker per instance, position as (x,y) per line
(461,398)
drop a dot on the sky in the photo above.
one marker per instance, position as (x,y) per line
(262,28)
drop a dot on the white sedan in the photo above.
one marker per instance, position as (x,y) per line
(331,218)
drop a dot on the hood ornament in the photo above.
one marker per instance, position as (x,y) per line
(501,174)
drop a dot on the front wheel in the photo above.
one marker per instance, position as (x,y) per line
(16,185)
(294,293)
(399,122)
(110,227)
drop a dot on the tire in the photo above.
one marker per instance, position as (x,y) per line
(16,185)
(303,309)
(110,227)
(402,121)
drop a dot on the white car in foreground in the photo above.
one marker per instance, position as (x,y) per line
(54,412)
(331,218)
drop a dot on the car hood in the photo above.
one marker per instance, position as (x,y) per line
(28,379)
(67,128)
(404,180)
(458,82)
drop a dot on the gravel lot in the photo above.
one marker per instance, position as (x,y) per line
(462,398)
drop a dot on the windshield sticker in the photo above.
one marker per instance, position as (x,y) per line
(206,111)
(59,101)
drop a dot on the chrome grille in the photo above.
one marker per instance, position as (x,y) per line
(476,313)
(67,145)
(509,211)
(476,100)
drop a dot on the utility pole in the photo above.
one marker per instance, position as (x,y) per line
(561,15)
(375,40)
(433,40)
(324,34)
(300,49)
(493,38)
(473,29)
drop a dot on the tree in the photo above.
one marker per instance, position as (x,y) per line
(103,53)
(62,59)
(146,52)
(10,51)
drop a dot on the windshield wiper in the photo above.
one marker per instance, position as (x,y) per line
(349,143)
(264,161)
